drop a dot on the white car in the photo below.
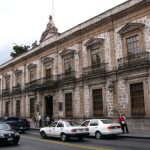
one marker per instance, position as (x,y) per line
(65,130)
(101,127)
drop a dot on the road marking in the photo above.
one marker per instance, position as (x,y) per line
(65,144)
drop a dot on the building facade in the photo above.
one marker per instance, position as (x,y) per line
(99,68)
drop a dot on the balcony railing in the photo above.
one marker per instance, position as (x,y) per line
(6,92)
(16,89)
(93,70)
(48,81)
(33,85)
(41,83)
(134,60)
(67,76)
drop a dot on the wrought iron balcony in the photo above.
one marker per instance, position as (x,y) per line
(33,85)
(97,69)
(16,89)
(41,83)
(6,92)
(135,60)
(48,81)
(67,76)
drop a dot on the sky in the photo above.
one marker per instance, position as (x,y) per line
(23,21)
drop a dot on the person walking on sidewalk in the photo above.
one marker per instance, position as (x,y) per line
(40,120)
(47,121)
(123,123)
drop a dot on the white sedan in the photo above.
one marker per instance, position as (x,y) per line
(100,127)
(65,130)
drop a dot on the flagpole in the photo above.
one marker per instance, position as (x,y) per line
(53,9)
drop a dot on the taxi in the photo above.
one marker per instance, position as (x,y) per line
(102,127)
(65,130)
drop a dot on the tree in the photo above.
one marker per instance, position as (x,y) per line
(18,50)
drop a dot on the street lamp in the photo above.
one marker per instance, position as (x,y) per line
(111,86)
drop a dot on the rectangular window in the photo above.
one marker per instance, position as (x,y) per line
(68,66)
(18,79)
(18,108)
(32,107)
(48,73)
(7,108)
(97,103)
(95,58)
(137,99)
(32,74)
(68,104)
(60,106)
(133,46)
(7,83)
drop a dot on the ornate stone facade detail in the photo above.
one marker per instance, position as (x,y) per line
(76,102)
(122,96)
(130,27)
(98,53)
(50,30)
(86,101)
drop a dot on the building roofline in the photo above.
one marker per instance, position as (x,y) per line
(89,22)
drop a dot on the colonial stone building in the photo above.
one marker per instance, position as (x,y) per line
(99,68)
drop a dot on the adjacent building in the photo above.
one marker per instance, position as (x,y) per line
(99,68)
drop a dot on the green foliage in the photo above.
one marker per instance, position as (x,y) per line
(18,50)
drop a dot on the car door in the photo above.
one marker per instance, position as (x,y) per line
(59,129)
(51,129)
(86,123)
(93,127)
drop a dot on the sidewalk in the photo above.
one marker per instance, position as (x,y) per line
(136,134)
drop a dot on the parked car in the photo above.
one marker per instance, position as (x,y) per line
(101,127)
(16,124)
(64,130)
(26,123)
(7,135)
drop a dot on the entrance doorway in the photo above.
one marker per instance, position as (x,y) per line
(49,105)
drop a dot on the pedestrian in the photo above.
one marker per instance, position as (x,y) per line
(40,120)
(47,120)
(123,123)
(51,119)
(35,120)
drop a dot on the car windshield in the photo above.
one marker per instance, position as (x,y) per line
(4,126)
(72,123)
(107,121)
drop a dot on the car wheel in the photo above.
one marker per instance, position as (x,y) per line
(23,131)
(98,135)
(16,142)
(80,138)
(63,137)
(43,134)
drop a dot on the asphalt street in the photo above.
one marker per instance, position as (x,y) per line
(32,140)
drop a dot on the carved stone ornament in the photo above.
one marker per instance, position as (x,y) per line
(17,71)
(6,75)
(67,52)
(93,41)
(50,30)
(46,59)
(130,27)
(31,65)
(34,44)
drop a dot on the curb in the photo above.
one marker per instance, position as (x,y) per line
(133,136)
